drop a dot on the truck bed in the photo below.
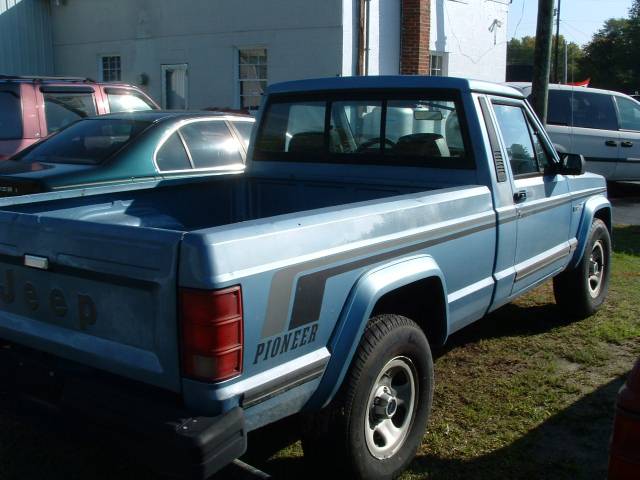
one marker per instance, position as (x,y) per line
(114,261)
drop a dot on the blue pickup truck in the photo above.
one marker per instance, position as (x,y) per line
(376,217)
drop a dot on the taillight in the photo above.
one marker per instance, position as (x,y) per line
(212,336)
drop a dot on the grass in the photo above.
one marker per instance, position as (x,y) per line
(524,393)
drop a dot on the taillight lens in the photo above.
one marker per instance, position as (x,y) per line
(212,333)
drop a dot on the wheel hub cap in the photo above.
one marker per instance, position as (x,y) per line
(392,406)
(596,269)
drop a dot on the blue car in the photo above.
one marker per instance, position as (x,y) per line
(130,147)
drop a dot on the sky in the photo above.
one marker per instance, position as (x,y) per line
(579,19)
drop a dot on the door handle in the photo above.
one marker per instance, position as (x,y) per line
(611,143)
(627,144)
(520,196)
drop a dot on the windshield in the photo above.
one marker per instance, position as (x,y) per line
(87,142)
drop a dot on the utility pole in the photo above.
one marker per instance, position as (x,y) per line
(542,59)
(557,73)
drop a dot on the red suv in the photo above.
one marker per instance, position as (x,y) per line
(33,107)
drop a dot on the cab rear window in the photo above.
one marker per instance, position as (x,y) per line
(423,130)
(89,142)
(10,115)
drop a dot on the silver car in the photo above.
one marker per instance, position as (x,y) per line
(602,125)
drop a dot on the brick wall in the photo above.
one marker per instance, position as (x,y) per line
(414,48)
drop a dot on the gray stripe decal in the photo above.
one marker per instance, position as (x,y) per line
(310,290)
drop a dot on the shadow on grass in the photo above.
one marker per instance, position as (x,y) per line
(572,444)
(627,240)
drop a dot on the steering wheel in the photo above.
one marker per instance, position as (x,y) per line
(373,141)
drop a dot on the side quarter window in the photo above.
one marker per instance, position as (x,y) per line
(172,156)
(629,111)
(516,133)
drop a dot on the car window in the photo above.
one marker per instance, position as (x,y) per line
(211,144)
(629,114)
(516,135)
(172,155)
(593,110)
(10,115)
(559,111)
(88,142)
(61,109)
(244,129)
(355,127)
(293,127)
(127,101)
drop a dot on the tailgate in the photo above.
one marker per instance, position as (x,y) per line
(101,295)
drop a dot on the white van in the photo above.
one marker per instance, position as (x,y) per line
(602,125)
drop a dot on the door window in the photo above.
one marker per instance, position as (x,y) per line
(593,110)
(211,144)
(629,114)
(172,155)
(10,116)
(516,134)
(61,109)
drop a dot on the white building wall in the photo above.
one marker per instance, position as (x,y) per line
(303,39)
(461,30)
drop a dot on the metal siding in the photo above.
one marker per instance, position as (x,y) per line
(26,45)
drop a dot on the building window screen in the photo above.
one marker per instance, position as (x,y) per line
(252,76)
(111,70)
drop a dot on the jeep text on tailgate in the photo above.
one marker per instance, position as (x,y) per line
(376,217)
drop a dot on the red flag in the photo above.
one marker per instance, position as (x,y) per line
(584,83)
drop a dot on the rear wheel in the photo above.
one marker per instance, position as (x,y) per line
(582,290)
(376,423)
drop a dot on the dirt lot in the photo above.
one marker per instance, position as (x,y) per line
(524,393)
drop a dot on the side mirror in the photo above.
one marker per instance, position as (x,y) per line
(572,164)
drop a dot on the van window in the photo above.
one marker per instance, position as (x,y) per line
(593,110)
(62,109)
(10,115)
(559,111)
(211,144)
(629,114)
(123,100)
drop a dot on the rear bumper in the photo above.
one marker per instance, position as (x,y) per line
(150,423)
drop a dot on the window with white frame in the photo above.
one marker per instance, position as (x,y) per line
(110,68)
(252,76)
(437,67)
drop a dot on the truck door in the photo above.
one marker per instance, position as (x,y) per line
(542,199)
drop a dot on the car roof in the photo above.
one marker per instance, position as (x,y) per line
(161,115)
(394,82)
(59,80)
(557,86)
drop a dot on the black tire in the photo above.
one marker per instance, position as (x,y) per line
(574,289)
(389,342)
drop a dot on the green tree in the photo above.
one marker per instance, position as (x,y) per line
(520,52)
